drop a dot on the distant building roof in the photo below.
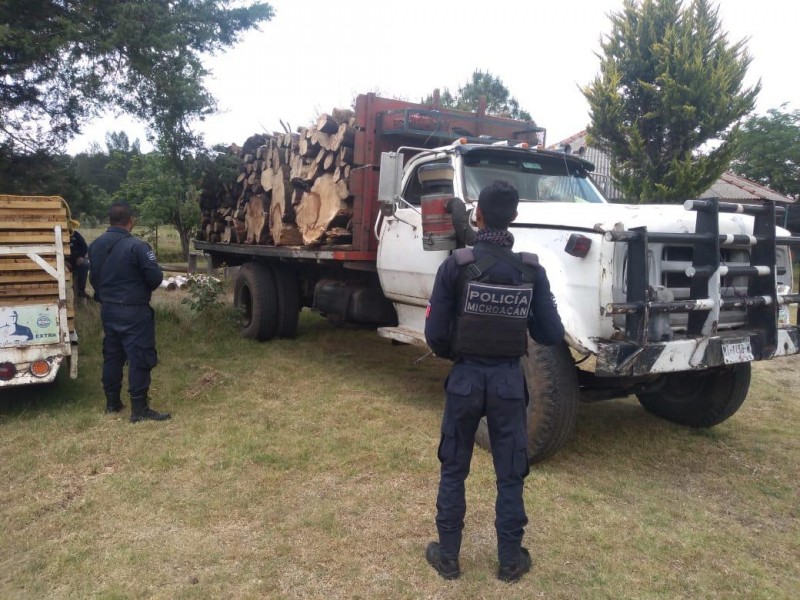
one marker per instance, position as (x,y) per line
(576,144)
(729,186)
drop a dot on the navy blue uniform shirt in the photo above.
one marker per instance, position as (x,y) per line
(124,268)
(544,323)
(77,248)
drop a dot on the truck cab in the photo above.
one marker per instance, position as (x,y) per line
(408,261)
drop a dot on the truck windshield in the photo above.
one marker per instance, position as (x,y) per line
(537,178)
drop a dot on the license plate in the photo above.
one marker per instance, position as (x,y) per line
(737,352)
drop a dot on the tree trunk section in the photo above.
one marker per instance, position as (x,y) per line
(326,124)
(256,220)
(320,206)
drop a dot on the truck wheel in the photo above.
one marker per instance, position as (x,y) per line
(553,400)
(701,399)
(288,300)
(256,301)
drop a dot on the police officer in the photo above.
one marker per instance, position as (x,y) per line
(124,273)
(78,262)
(485,301)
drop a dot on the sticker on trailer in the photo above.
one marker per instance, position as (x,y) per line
(28,325)
(737,352)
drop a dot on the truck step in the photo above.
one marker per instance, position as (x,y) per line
(403,335)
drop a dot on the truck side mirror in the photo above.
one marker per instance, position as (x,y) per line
(391,177)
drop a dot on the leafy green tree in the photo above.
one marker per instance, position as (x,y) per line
(107,168)
(42,174)
(121,153)
(160,196)
(769,151)
(669,83)
(63,61)
(173,105)
(499,100)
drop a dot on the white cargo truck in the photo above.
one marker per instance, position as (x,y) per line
(668,303)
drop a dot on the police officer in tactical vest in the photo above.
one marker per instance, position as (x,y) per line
(124,273)
(484,303)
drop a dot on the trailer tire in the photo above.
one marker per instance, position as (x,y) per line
(701,399)
(553,401)
(288,300)
(255,299)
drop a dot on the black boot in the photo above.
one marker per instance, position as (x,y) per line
(140,411)
(447,568)
(113,403)
(513,572)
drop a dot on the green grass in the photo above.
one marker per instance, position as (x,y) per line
(307,468)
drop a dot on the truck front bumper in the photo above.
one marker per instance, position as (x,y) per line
(623,359)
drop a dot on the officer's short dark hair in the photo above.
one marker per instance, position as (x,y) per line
(498,203)
(120,213)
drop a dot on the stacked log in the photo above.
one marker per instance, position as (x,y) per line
(30,220)
(292,188)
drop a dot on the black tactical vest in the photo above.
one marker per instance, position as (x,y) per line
(492,318)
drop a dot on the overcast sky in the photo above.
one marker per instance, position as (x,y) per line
(319,54)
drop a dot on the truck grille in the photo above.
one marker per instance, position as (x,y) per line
(667,267)
(656,284)
(673,265)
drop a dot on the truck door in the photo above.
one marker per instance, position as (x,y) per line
(406,270)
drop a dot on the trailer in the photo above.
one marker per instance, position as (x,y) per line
(37,334)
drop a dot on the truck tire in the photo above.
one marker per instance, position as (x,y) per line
(701,399)
(255,299)
(554,396)
(288,300)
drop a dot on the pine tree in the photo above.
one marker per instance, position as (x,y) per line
(669,83)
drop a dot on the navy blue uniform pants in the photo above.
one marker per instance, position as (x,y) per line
(81,273)
(498,392)
(129,336)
